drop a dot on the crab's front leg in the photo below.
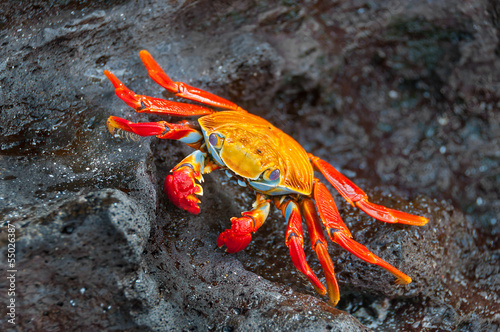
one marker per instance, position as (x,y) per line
(183,131)
(240,234)
(181,186)
(182,89)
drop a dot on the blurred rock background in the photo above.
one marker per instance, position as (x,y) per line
(402,97)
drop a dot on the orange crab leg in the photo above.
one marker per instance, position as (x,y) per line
(182,89)
(328,210)
(338,232)
(239,236)
(294,240)
(320,246)
(363,253)
(355,196)
(182,131)
(145,104)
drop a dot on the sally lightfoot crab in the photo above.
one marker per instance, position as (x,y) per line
(263,158)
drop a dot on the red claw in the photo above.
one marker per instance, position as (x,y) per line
(239,236)
(181,189)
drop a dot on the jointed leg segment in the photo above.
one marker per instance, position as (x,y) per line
(182,89)
(145,104)
(320,246)
(338,232)
(363,253)
(157,105)
(294,240)
(355,196)
(182,131)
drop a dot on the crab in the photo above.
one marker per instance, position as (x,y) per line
(263,158)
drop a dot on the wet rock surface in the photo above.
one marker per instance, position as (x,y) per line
(402,98)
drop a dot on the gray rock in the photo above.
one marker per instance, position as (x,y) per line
(402,99)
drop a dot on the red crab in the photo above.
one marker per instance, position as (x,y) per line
(264,158)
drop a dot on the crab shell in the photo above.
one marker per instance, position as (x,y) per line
(253,148)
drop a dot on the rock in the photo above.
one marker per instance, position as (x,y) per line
(400,99)
(76,263)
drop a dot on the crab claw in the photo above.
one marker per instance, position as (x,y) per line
(239,236)
(181,189)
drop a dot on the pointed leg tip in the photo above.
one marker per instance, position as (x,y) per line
(115,81)
(147,59)
(333,290)
(333,301)
(110,76)
(320,291)
(113,123)
(410,219)
(423,221)
(403,280)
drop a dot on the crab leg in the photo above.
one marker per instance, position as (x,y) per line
(355,196)
(338,232)
(183,131)
(240,234)
(320,246)
(145,104)
(328,210)
(363,253)
(181,187)
(295,242)
(182,89)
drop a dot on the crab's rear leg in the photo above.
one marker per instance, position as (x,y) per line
(240,234)
(294,240)
(355,196)
(320,246)
(181,89)
(338,232)
(145,104)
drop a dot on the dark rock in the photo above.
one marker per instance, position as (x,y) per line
(403,99)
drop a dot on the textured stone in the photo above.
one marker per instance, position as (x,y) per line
(403,99)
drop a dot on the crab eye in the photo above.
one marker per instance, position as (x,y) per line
(215,140)
(272,175)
